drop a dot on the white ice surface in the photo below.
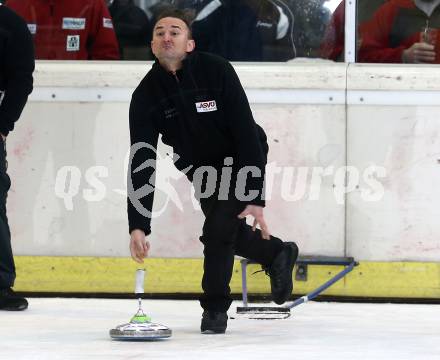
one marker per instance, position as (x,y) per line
(78,329)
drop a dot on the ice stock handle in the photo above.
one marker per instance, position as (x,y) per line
(140,278)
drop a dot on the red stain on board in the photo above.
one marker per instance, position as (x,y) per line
(23,145)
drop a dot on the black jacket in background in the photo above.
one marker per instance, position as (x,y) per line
(131,24)
(230,32)
(166,104)
(16,67)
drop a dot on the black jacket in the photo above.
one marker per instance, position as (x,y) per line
(132,26)
(230,32)
(16,67)
(173,107)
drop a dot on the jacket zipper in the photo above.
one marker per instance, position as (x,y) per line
(186,113)
(180,89)
(176,77)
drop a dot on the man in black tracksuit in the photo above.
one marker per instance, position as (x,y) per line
(16,68)
(196,102)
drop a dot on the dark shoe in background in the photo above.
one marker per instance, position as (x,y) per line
(10,301)
(280,272)
(214,322)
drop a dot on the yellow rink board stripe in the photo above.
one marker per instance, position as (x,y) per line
(116,275)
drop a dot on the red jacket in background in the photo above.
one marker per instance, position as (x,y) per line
(332,44)
(395,26)
(69,29)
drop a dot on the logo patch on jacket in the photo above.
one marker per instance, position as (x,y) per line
(107,23)
(206,106)
(170,113)
(74,23)
(72,43)
(32,28)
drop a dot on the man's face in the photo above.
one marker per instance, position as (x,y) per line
(171,39)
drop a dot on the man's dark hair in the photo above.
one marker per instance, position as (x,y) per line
(186,16)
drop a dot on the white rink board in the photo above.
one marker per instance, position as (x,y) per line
(404,224)
(78,329)
(399,133)
(93,137)
(385,125)
(92,220)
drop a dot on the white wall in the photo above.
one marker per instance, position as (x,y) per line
(302,107)
(399,130)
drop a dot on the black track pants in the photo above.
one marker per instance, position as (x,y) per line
(7,267)
(225,235)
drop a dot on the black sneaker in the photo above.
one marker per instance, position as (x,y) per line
(10,301)
(214,322)
(280,272)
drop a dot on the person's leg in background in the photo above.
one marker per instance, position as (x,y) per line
(8,300)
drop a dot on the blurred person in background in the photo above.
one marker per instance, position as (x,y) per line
(227,28)
(332,45)
(16,83)
(275,24)
(240,30)
(311,19)
(69,30)
(402,31)
(133,29)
